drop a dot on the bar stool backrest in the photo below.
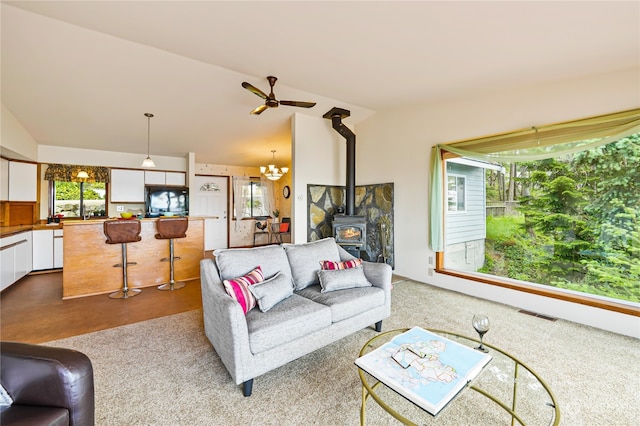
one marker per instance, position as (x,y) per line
(169,228)
(122,231)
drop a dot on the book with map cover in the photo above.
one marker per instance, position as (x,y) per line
(427,369)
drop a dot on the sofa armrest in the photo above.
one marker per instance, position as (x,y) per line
(45,376)
(224,322)
(378,274)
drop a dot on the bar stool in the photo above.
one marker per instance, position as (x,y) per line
(123,232)
(170,229)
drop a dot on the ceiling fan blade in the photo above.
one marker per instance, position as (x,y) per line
(254,90)
(259,110)
(298,104)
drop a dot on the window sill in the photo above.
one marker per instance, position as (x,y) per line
(552,292)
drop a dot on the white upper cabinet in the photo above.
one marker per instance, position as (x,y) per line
(176,178)
(164,178)
(4,179)
(23,181)
(154,178)
(127,186)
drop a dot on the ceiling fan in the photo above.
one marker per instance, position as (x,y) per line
(271,101)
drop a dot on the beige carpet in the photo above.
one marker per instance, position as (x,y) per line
(165,372)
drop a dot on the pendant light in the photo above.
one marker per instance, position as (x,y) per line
(148,162)
(271,171)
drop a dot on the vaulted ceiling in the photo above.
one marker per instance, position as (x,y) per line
(83,73)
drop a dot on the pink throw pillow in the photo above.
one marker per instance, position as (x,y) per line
(238,288)
(328,265)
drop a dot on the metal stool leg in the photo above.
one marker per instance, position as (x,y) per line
(172,284)
(125,292)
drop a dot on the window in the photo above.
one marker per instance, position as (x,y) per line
(455,193)
(563,221)
(79,199)
(74,196)
(252,197)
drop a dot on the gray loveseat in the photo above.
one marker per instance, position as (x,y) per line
(305,308)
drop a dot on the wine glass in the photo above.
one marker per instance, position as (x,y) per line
(481,324)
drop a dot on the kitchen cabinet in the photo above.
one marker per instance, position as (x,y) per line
(127,186)
(4,179)
(58,248)
(164,178)
(176,178)
(154,178)
(47,249)
(23,181)
(15,258)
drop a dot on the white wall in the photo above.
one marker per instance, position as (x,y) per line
(318,157)
(395,147)
(91,157)
(15,142)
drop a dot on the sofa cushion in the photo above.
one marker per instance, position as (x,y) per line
(305,259)
(341,279)
(272,291)
(290,319)
(345,303)
(237,262)
(329,265)
(238,288)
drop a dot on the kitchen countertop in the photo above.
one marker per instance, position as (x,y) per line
(6,231)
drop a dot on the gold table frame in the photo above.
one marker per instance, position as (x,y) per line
(369,390)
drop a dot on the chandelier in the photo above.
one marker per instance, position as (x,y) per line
(271,171)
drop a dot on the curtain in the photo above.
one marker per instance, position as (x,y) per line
(69,173)
(536,143)
(239,197)
(268,195)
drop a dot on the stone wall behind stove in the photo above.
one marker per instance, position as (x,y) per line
(374,202)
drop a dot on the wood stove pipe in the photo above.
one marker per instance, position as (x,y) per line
(336,115)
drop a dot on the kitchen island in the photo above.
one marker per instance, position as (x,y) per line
(89,262)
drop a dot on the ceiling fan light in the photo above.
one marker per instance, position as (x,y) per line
(284,170)
(263,169)
(272,167)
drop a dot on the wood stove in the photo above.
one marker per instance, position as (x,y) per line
(349,230)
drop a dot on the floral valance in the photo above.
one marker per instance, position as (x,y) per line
(69,173)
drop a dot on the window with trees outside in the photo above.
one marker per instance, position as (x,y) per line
(565,223)
(79,199)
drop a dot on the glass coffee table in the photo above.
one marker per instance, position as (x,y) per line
(506,383)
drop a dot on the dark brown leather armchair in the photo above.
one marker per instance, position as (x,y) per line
(52,386)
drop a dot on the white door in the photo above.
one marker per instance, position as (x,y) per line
(210,199)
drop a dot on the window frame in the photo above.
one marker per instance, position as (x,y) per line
(252,181)
(52,200)
(619,125)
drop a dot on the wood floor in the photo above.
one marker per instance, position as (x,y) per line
(32,310)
